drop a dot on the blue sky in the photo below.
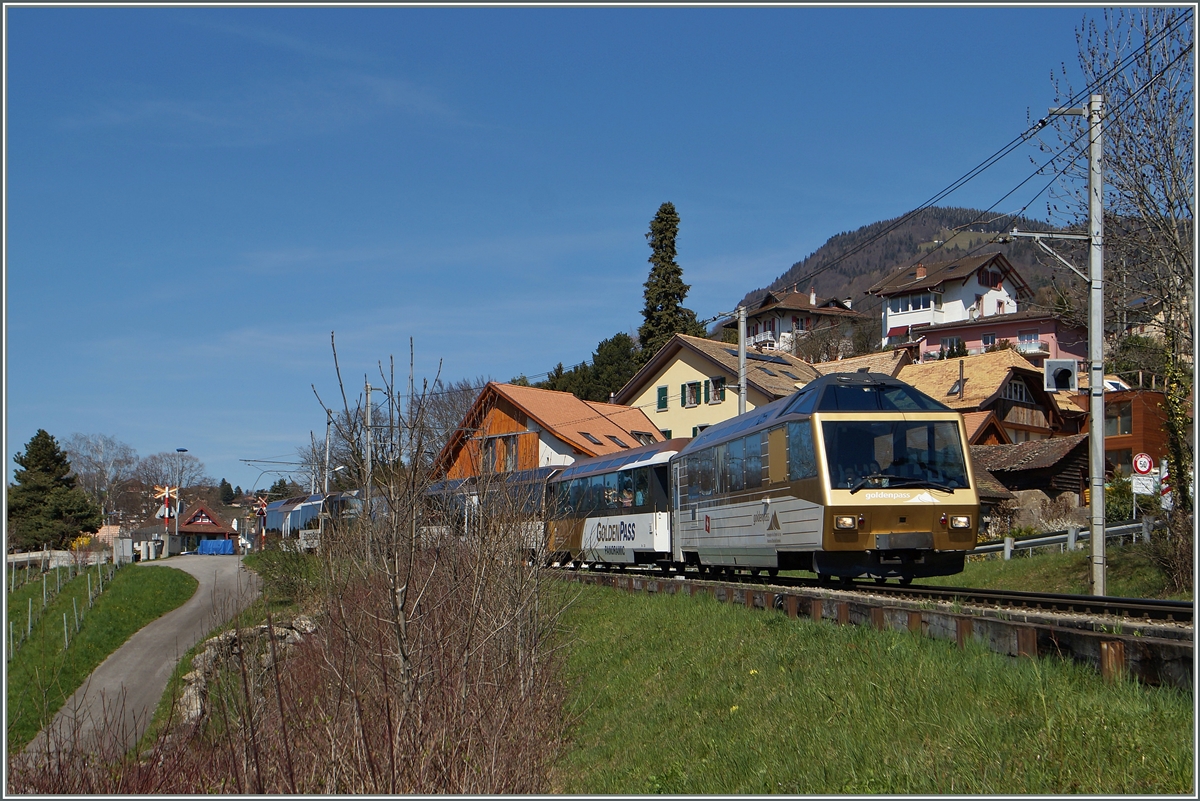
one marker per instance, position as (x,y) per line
(196,197)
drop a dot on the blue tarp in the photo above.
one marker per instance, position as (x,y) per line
(215,547)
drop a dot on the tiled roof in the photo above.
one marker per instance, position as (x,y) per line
(774,373)
(217,526)
(567,417)
(974,421)
(1036,454)
(887,362)
(904,279)
(799,302)
(989,487)
(985,375)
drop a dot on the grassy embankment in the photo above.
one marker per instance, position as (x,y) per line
(677,694)
(1131,573)
(285,574)
(42,675)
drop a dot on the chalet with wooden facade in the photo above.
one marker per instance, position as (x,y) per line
(1002,382)
(511,428)
(1134,422)
(690,383)
(1050,467)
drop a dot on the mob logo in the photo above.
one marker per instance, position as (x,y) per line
(707,529)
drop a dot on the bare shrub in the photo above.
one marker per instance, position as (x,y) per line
(432,670)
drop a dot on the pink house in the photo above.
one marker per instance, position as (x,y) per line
(1035,335)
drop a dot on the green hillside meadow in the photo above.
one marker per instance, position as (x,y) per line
(42,675)
(687,695)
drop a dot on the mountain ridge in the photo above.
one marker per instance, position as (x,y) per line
(851,261)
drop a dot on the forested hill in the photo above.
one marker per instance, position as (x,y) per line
(860,258)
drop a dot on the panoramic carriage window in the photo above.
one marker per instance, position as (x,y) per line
(705,473)
(641,486)
(735,479)
(802,460)
(754,461)
(625,488)
(611,493)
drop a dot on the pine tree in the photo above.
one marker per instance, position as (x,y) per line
(227,493)
(44,505)
(664,314)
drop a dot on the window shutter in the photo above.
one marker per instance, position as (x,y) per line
(720,389)
(683,394)
(662,399)
(706,383)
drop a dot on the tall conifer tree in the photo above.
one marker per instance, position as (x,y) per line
(44,505)
(664,313)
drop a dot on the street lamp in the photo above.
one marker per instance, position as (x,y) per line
(179,498)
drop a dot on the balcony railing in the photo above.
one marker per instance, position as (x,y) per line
(766,339)
(1033,346)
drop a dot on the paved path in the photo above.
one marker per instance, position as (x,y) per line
(126,687)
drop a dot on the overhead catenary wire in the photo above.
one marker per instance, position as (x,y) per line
(954,186)
(998,155)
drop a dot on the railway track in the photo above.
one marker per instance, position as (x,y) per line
(1148,609)
(1137,608)
(1151,641)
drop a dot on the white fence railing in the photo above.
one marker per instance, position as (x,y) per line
(1071,537)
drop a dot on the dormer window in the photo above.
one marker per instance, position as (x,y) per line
(957,387)
(1015,390)
(590,438)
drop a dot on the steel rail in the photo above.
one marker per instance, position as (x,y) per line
(1144,608)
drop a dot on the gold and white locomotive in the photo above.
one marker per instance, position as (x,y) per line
(856,474)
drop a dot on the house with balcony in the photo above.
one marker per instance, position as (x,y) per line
(925,295)
(784,317)
(1036,335)
(691,383)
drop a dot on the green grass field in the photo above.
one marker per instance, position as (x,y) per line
(678,694)
(41,676)
(1131,573)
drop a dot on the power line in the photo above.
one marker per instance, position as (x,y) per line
(998,155)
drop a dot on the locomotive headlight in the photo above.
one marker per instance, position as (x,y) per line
(960,521)
(845,522)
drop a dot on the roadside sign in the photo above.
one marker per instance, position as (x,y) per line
(1143,485)
(1143,464)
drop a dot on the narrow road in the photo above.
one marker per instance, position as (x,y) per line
(112,709)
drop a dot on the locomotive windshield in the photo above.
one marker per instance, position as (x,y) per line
(899,453)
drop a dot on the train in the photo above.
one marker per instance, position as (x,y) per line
(853,475)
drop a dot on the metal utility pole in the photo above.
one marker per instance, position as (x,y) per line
(741,315)
(1095,279)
